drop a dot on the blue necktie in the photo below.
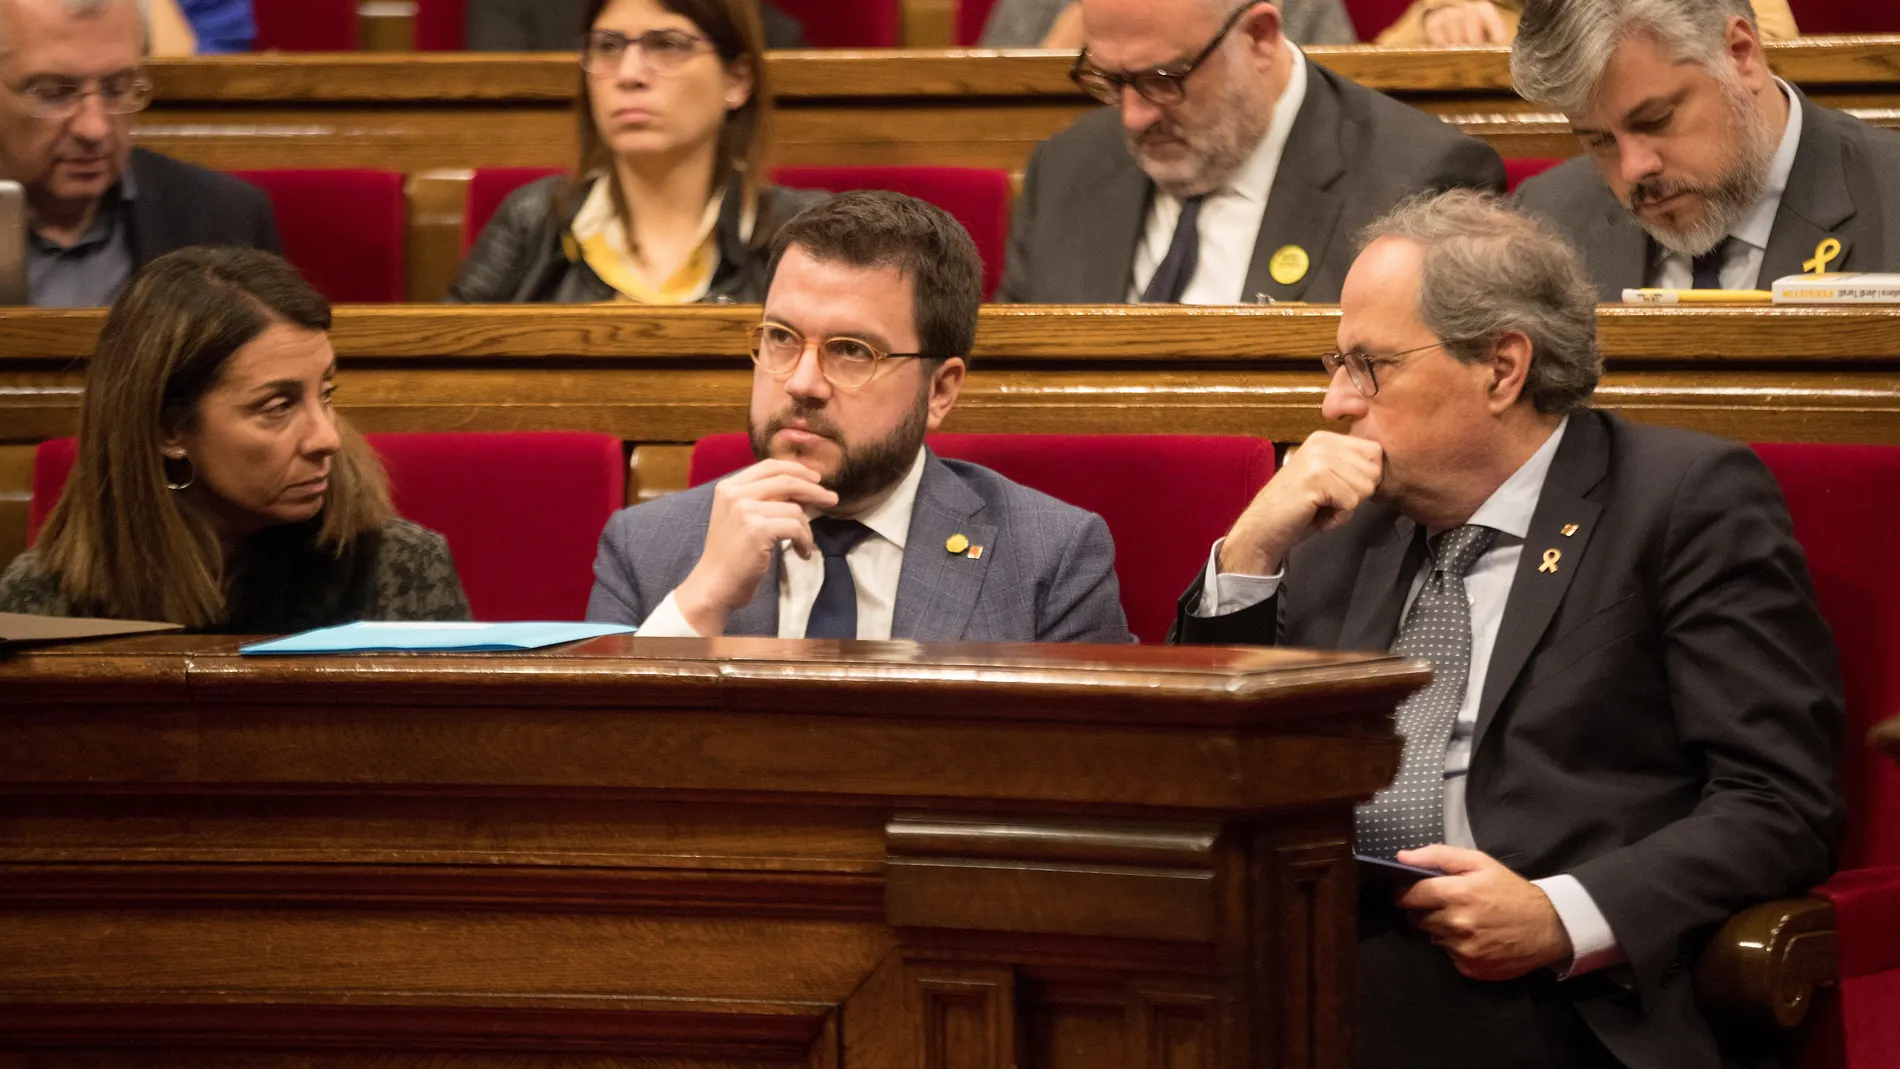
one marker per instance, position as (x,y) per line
(1708,266)
(1184,252)
(835,613)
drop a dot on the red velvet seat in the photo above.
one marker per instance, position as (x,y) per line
(441,25)
(1845,500)
(1166,498)
(1846,16)
(522,512)
(846,23)
(1371,17)
(487,189)
(972,15)
(979,199)
(305,25)
(347,231)
(1518,170)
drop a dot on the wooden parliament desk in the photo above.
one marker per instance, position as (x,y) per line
(416,113)
(659,377)
(670,853)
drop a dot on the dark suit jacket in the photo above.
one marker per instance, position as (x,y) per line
(1047,573)
(1661,717)
(180,205)
(1845,185)
(1352,154)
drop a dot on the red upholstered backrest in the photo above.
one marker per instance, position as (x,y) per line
(487,189)
(1371,17)
(441,25)
(846,23)
(345,230)
(1845,500)
(522,512)
(1166,498)
(979,199)
(972,15)
(1846,16)
(1519,170)
(305,25)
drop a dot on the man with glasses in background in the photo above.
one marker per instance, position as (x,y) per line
(849,527)
(1231,170)
(97,208)
(1635,714)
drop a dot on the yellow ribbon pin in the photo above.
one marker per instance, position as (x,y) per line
(1551,557)
(1825,253)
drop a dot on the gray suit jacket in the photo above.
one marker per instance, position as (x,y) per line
(1661,718)
(1352,155)
(1047,573)
(1845,185)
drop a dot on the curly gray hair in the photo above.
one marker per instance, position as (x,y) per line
(1490,271)
(1564,46)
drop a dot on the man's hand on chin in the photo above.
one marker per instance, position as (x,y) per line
(1495,924)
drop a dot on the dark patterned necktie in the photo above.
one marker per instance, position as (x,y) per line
(1411,813)
(1708,266)
(835,613)
(1184,253)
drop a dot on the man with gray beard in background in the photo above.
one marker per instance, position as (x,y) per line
(1229,170)
(1702,170)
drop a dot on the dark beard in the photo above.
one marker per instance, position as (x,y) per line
(863,471)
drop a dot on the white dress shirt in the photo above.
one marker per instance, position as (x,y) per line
(1229,226)
(1508,511)
(1742,260)
(876,564)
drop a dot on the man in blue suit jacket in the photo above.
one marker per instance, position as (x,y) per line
(848,526)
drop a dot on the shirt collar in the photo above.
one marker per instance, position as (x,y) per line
(1510,507)
(1254,180)
(1755,227)
(888,514)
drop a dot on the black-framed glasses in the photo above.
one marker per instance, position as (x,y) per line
(661,50)
(1163,85)
(61,98)
(1361,366)
(844,361)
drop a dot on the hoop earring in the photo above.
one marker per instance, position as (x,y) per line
(191,474)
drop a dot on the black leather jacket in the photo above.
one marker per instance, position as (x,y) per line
(519,259)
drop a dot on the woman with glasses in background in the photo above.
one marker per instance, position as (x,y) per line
(98,209)
(669,204)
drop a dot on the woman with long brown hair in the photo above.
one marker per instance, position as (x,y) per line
(668,204)
(216,487)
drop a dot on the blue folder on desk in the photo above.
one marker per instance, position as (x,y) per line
(421,637)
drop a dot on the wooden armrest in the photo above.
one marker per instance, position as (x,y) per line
(1762,968)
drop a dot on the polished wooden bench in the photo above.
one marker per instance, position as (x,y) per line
(415,113)
(684,854)
(656,377)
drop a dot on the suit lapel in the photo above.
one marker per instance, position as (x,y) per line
(1378,594)
(1619,252)
(1117,213)
(1538,588)
(1302,208)
(1816,204)
(937,589)
(760,616)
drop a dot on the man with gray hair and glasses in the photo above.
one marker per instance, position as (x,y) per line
(1702,170)
(1228,170)
(1635,714)
(97,208)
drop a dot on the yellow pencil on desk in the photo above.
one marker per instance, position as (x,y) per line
(1698,297)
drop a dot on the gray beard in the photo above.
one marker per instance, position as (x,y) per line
(1725,200)
(1214,155)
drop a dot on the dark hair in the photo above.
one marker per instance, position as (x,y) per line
(879,228)
(734,29)
(123,545)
